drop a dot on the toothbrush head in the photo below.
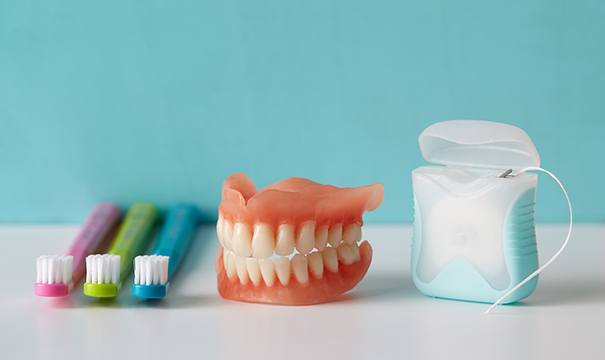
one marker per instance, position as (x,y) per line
(150,276)
(53,275)
(102,276)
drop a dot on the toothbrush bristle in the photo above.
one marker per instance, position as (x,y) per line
(151,270)
(103,269)
(54,269)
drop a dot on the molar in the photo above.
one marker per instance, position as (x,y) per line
(242,237)
(330,259)
(263,241)
(282,269)
(267,270)
(348,253)
(224,232)
(240,268)
(229,263)
(352,233)
(305,241)
(321,237)
(299,268)
(335,235)
(253,270)
(285,240)
(316,264)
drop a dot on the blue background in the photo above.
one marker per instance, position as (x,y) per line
(161,100)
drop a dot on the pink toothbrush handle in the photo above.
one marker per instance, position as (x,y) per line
(98,225)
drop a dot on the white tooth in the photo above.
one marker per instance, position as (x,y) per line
(330,259)
(305,241)
(228,234)
(321,237)
(285,240)
(253,270)
(242,239)
(267,270)
(348,253)
(299,268)
(230,265)
(352,234)
(335,235)
(242,272)
(282,269)
(263,241)
(316,264)
(219,230)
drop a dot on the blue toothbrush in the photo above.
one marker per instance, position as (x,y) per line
(152,272)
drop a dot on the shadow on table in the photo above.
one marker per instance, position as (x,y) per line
(200,252)
(578,292)
(383,286)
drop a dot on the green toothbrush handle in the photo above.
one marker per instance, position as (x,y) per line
(133,235)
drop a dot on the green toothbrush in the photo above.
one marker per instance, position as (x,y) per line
(105,273)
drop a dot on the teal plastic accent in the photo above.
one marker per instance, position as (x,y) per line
(149,291)
(175,238)
(460,280)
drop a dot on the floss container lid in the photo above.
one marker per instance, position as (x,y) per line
(478,144)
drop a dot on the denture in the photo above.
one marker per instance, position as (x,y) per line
(295,242)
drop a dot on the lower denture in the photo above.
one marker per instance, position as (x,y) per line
(304,252)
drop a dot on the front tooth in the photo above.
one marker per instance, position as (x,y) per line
(352,234)
(299,268)
(228,234)
(267,270)
(285,240)
(330,258)
(282,269)
(230,264)
(321,237)
(219,231)
(253,270)
(242,238)
(305,242)
(335,235)
(316,264)
(262,241)
(348,253)
(242,272)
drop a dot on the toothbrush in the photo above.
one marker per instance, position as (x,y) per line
(54,276)
(152,272)
(105,273)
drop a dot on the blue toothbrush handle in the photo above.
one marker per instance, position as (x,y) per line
(177,233)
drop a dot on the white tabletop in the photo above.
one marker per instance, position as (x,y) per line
(383,317)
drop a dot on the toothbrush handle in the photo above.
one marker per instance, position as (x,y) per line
(181,222)
(133,235)
(101,220)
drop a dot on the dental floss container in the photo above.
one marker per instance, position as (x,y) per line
(474,235)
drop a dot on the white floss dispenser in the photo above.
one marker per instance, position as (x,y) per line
(474,236)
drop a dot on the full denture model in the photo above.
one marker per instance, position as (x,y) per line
(295,242)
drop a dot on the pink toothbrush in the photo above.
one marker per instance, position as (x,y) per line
(54,275)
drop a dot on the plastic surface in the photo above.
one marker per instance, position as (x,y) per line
(477,143)
(133,235)
(175,238)
(149,291)
(474,232)
(131,240)
(51,290)
(102,219)
(101,290)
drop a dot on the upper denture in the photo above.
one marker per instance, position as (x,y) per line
(296,201)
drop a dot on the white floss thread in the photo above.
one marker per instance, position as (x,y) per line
(556,255)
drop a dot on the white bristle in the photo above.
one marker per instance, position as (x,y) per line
(151,270)
(103,269)
(54,269)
